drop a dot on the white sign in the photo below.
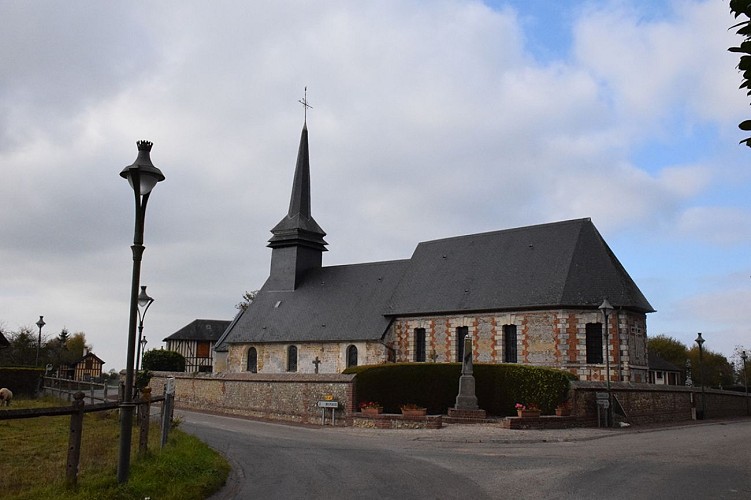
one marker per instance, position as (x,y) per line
(328,404)
(169,387)
(601,395)
(604,403)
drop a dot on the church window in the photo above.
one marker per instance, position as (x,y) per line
(594,343)
(351,356)
(419,344)
(509,344)
(461,333)
(292,358)
(252,360)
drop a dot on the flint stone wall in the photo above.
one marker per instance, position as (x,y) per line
(286,397)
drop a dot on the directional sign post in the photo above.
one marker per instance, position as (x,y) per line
(323,405)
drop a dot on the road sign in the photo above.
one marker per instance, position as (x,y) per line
(604,403)
(328,404)
(601,395)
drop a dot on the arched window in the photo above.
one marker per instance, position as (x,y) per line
(419,344)
(509,344)
(594,343)
(292,358)
(252,360)
(461,334)
(351,356)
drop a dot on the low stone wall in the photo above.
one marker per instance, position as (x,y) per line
(286,397)
(648,403)
(396,421)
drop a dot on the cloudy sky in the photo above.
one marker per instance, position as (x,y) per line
(430,119)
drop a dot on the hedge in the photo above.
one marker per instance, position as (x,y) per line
(21,381)
(435,386)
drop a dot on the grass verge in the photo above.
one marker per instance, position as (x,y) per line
(33,454)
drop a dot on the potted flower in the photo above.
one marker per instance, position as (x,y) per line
(563,409)
(530,410)
(371,408)
(412,410)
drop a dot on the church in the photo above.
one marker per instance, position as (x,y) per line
(527,295)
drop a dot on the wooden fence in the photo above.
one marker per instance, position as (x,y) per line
(76,412)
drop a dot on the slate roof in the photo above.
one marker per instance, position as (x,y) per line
(337,303)
(201,329)
(557,265)
(656,363)
(3,341)
(562,264)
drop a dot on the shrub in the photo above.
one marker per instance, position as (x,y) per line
(435,386)
(164,361)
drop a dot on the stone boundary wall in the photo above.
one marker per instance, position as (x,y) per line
(648,403)
(285,397)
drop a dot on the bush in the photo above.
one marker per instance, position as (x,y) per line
(22,381)
(435,386)
(164,361)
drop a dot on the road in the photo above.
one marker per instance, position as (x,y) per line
(706,460)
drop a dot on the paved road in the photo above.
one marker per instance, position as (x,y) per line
(706,460)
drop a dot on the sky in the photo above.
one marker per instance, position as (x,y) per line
(428,120)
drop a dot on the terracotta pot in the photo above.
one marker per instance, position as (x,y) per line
(415,412)
(528,413)
(372,411)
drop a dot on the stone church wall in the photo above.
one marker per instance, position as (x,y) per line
(285,397)
(554,338)
(331,356)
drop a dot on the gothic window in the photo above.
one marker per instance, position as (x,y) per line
(351,356)
(252,360)
(292,358)
(509,344)
(594,343)
(461,333)
(419,344)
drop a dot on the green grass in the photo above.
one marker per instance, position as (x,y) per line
(33,454)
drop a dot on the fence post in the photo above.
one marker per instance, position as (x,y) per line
(169,396)
(144,410)
(74,440)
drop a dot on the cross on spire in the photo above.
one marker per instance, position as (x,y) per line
(304,102)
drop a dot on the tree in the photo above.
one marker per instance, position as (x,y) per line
(248,298)
(76,345)
(717,370)
(22,350)
(161,360)
(742,8)
(669,349)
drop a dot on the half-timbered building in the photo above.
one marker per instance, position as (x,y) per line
(195,341)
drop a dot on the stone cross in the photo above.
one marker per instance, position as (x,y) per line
(317,362)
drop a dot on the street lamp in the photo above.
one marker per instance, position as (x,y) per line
(143,343)
(144,301)
(606,309)
(40,324)
(744,358)
(700,342)
(142,176)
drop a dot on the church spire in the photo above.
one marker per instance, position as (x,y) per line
(297,243)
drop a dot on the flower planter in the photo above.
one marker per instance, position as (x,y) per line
(562,412)
(371,412)
(528,413)
(414,412)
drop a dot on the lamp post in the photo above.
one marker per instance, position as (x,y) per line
(744,358)
(144,301)
(606,309)
(143,343)
(40,324)
(142,176)
(700,342)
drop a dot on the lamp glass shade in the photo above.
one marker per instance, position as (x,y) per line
(699,340)
(143,298)
(605,307)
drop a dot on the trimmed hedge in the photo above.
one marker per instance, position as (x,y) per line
(21,381)
(435,386)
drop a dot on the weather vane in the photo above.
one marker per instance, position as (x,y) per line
(304,102)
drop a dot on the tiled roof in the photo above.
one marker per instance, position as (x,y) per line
(563,264)
(201,329)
